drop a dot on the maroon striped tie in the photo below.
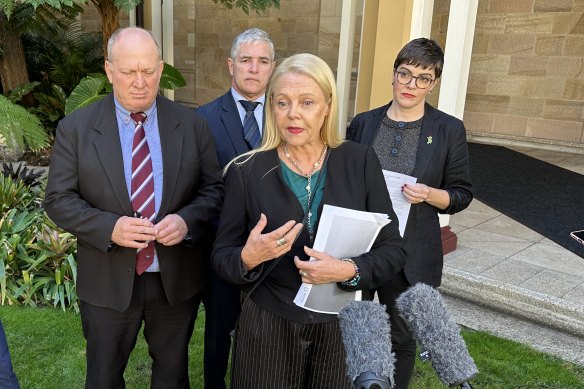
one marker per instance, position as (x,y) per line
(142,187)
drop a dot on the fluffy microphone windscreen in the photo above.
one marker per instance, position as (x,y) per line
(424,310)
(365,329)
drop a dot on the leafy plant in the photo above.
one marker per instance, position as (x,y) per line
(51,106)
(15,195)
(18,17)
(91,89)
(171,78)
(20,91)
(37,259)
(16,233)
(29,177)
(55,269)
(19,127)
(249,5)
(64,57)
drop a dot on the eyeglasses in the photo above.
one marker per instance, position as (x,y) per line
(405,78)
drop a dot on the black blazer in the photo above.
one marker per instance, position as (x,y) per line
(353,180)
(86,194)
(443,163)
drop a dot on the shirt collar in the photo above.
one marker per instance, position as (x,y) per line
(237,97)
(124,114)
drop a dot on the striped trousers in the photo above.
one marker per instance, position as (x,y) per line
(271,352)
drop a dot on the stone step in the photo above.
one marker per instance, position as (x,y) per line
(546,310)
(540,337)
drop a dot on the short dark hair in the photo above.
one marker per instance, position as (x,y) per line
(423,52)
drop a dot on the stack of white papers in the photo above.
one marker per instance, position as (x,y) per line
(342,233)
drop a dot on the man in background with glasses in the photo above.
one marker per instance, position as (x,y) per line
(411,137)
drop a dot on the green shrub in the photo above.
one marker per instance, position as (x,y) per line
(19,127)
(37,259)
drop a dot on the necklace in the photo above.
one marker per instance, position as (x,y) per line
(308,180)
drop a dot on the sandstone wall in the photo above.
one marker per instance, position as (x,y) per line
(527,70)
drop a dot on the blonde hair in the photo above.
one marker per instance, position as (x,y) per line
(312,66)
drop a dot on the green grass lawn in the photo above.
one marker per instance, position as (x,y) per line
(47,349)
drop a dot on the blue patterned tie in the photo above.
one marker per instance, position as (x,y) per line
(251,131)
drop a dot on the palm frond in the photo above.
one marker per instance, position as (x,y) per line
(19,126)
(7,6)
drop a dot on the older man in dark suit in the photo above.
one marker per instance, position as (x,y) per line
(236,121)
(135,178)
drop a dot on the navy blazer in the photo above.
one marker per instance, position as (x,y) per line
(443,163)
(86,194)
(226,127)
(353,180)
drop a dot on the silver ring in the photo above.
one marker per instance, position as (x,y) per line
(302,273)
(282,241)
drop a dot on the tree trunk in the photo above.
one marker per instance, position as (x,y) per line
(109,20)
(13,71)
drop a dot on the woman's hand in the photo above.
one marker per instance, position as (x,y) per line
(260,247)
(416,193)
(323,268)
(419,193)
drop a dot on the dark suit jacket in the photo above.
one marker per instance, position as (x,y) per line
(353,180)
(86,194)
(226,127)
(443,163)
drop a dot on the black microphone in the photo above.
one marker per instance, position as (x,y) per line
(423,308)
(365,329)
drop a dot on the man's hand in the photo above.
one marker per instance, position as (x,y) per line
(133,232)
(171,230)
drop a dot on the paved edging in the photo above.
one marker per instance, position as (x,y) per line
(540,308)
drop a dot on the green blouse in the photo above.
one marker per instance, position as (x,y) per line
(297,183)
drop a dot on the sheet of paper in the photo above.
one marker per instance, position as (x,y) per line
(401,206)
(341,233)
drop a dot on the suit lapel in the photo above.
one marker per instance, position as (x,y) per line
(171,145)
(232,122)
(428,141)
(109,151)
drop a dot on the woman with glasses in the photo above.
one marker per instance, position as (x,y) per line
(411,137)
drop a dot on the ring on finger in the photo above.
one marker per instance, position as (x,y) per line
(302,273)
(281,241)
